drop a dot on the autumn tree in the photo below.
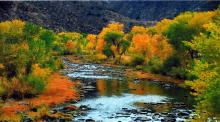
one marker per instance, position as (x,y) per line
(92,41)
(112,27)
(206,82)
(139,30)
(23,46)
(185,26)
(72,42)
(163,25)
(151,46)
(115,44)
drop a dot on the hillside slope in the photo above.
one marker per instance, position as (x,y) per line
(92,16)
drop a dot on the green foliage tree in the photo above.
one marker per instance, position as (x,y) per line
(207,70)
(24,45)
(115,44)
(178,33)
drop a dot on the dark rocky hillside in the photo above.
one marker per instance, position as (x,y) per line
(91,16)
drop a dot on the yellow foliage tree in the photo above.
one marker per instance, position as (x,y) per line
(163,25)
(201,18)
(112,27)
(92,41)
(12,28)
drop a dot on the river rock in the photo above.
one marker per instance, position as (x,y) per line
(70,107)
(169,119)
(88,87)
(142,119)
(84,108)
(183,114)
(90,120)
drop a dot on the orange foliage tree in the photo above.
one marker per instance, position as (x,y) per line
(139,30)
(151,46)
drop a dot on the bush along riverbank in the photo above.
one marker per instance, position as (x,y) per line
(186,47)
(28,62)
(58,91)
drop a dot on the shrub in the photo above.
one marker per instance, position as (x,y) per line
(180,72)
(137,60)
(36,83)
(55,63)
(126,60)
(169,63)
(13,88)
(70,47)
(154,65)
(212,94)
(2,90)
(100,56)
(42,73)
(48,36)
(107,51)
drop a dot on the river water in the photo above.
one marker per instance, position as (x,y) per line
(109,96)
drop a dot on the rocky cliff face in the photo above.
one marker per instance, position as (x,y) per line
(91,16)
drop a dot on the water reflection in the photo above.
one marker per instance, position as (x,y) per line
(128,100)
(114,87)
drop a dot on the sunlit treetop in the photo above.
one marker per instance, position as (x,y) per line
(184,17)
(116,27)
(139,30)
(91,37)
(163,25)
(70,35)
(201,18)
(12,28)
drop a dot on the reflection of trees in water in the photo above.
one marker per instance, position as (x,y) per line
(101,87)
(144,88)
(114,87)
(180,95)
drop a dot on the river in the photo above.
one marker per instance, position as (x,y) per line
(108,95)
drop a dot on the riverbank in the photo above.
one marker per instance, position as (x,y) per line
(59,90)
